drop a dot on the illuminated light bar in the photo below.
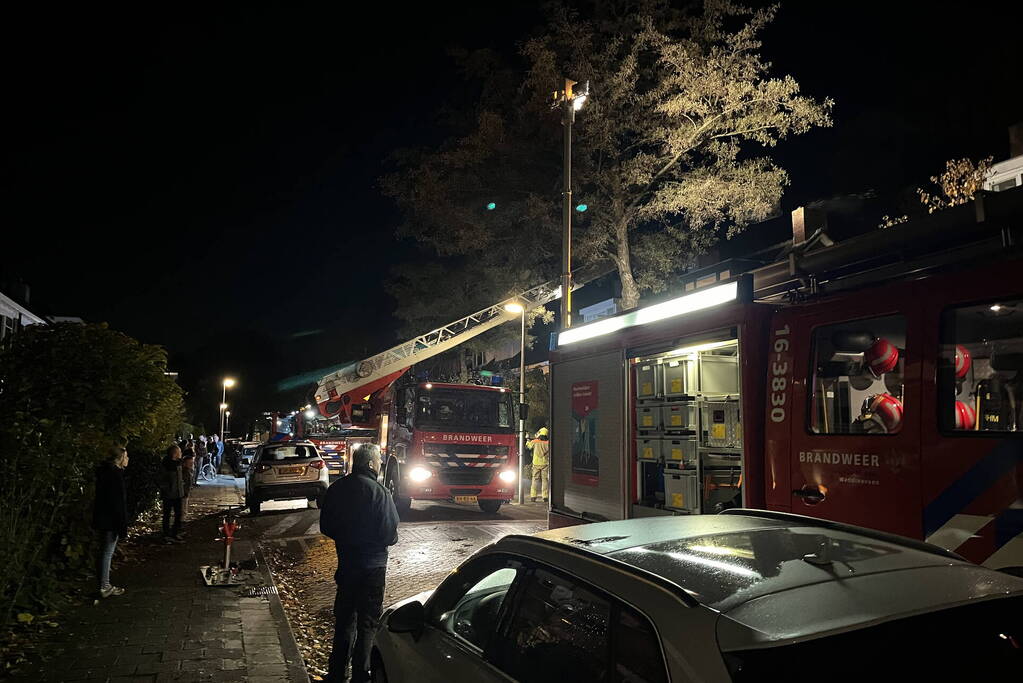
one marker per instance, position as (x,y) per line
(690,303)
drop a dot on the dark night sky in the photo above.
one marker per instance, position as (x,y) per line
(206,179)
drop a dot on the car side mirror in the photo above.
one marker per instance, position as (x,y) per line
(409,618)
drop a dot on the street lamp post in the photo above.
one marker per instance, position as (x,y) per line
(227,425)
(228,382)
(521,310)
(571,102)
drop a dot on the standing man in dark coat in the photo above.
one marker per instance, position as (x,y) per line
(172,492)
(200,458)
(359,514)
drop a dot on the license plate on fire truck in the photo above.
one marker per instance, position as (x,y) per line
(466,500)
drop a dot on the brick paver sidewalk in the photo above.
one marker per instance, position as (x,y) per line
(170,626)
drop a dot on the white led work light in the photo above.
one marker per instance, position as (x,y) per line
(712,296)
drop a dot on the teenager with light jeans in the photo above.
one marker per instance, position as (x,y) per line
(110,514)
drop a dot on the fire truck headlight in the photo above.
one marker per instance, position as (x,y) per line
(508,476)
(419,474)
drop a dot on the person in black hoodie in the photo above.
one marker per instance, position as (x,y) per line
(172,491)
(359,514)
(110,514)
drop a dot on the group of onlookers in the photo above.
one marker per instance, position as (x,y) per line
(179,471)
(203,451)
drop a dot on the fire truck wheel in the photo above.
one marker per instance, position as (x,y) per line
(253,505)
(403,503)
(490,506)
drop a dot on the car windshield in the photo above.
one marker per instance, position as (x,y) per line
(973,642)
(278,453)
(467,410)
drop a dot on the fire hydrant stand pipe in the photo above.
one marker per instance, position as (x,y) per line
(213,574)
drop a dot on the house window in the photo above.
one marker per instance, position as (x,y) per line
(7,327)
(1004,185)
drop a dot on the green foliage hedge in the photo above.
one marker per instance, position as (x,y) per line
(68,393)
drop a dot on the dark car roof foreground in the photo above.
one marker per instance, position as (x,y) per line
(785,578)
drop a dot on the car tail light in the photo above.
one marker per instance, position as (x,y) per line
(318,464)
(263,467)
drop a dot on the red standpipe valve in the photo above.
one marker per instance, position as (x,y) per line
(227,529)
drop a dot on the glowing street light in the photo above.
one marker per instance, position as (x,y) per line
(514,307)
(227,383)
(570,102)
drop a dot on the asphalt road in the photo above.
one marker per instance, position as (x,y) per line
(433,539)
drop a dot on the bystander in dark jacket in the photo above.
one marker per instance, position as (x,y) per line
(200,459)
(187,473)
(359,514)
(172,492)
(110,514)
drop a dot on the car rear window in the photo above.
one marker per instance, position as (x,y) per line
(973,642)
(278,453)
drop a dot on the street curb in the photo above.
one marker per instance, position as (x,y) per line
(297,672)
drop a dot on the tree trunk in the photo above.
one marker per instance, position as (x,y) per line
(623,261)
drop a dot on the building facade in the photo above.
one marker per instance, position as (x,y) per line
(14,317)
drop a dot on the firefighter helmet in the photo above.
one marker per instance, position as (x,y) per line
(966,416)
(888,409)
(881,357)
(541,432)
(963,361)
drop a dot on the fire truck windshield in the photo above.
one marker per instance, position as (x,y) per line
(464,409)
(314,427)
(324,427)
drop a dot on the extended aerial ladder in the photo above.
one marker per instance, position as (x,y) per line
(339,391)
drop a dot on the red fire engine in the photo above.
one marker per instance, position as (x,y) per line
(876,381)
(452,442)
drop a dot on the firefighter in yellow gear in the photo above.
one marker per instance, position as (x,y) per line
(541,447)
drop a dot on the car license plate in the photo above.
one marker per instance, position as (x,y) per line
(291,470)
(466,500)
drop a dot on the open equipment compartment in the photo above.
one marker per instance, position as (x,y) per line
(687,429)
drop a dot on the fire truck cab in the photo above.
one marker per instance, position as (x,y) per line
(451,442)
(876,382)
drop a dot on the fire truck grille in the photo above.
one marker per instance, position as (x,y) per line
(465,456)
(466,477)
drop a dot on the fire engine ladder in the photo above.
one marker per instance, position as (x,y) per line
(397,359)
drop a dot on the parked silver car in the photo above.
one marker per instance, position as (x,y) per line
(285,471)
(743,596)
